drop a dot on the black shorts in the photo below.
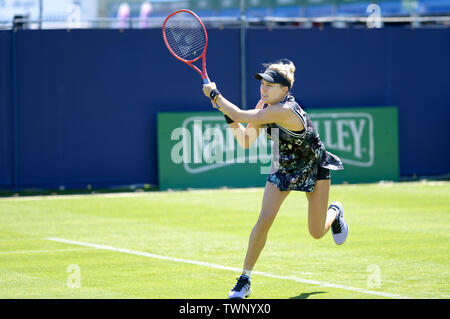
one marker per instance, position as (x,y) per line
(323,173)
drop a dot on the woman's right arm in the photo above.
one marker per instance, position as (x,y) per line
(247,135)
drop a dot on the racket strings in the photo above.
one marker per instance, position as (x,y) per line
(185,36)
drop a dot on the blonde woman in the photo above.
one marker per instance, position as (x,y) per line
(303,162)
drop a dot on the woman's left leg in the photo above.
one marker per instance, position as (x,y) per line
(320,217)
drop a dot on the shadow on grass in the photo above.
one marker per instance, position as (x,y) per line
(305,295)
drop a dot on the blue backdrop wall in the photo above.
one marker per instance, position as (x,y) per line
(79,107)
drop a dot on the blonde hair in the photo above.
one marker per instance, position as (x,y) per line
(285,68)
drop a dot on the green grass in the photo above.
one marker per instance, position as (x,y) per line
(400,229)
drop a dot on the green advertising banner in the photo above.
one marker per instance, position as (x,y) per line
(198,149)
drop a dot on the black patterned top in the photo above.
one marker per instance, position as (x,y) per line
(298,154)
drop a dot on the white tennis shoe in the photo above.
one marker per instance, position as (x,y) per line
(339,227)
(242,288)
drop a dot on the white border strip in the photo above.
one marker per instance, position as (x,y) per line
(206,264)
(22,252)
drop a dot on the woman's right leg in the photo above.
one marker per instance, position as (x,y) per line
(272,200)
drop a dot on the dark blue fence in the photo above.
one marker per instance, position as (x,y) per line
(79,107)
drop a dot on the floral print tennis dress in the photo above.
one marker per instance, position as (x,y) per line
(299,154)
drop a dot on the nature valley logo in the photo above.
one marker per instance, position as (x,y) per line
(350,135)
(205,143)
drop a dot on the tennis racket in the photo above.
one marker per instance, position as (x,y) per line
(186,38)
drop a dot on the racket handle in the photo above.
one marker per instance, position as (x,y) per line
(206,80)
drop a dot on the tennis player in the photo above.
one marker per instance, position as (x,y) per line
(303,163)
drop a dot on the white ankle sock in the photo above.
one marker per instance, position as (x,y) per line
(335,210)
(247,273)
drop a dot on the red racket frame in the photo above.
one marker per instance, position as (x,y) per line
(202,73)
